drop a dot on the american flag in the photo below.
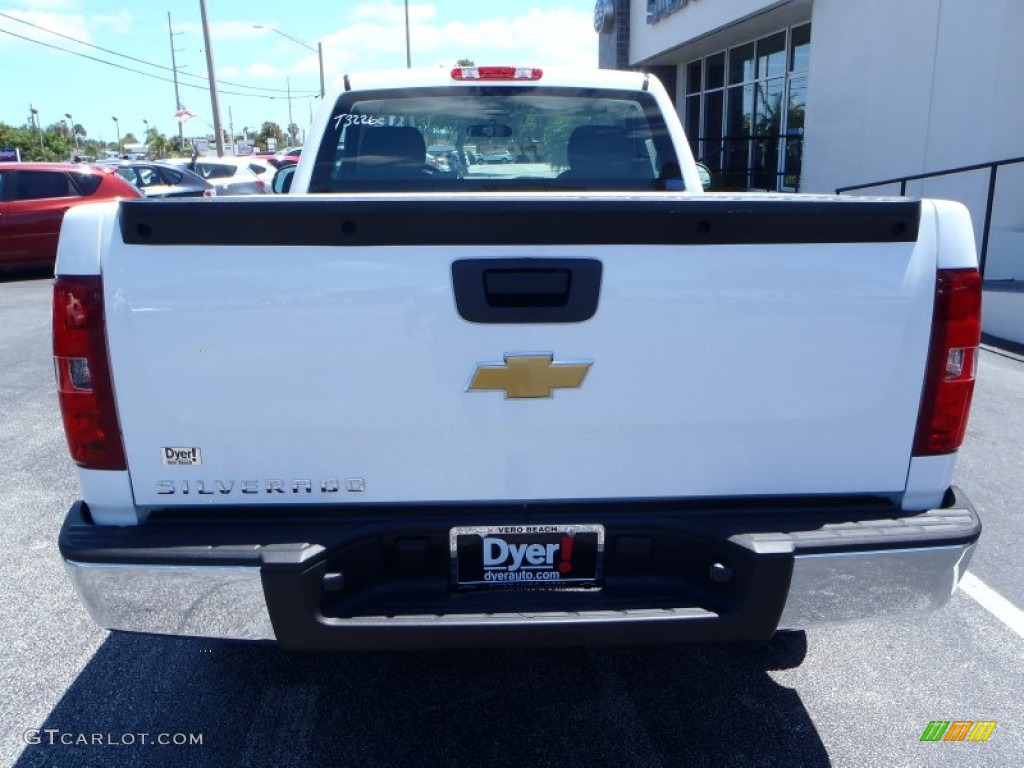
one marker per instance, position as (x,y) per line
(183,114)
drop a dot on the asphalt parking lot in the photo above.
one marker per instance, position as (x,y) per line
(854,695)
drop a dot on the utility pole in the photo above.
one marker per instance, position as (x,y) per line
(214,101)
(177,98)
(288,80)
(320,56)
(231,128)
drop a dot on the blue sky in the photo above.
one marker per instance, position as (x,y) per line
(252,64)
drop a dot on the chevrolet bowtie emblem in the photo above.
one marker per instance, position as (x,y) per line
(529,375)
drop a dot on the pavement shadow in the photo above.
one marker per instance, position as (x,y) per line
(22,275)
(253,704)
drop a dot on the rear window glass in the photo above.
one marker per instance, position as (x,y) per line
(87,183)
(495,138)
(37,185)
(171,176)
(215,171)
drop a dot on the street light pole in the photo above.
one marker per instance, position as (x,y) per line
(117,126)
(319,50)
(39,128)
(408,49)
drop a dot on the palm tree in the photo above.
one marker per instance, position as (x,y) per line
(159,146)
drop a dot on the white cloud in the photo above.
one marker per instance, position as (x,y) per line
(373,37)
(235,30)
(47,5)
(49,26)
(557,37)
(262,70)
(120,22)
(394,13)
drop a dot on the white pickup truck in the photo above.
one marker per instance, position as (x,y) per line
(568,398)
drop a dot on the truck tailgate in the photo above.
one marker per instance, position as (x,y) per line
(313,351)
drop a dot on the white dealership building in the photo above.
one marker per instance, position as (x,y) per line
(813,95)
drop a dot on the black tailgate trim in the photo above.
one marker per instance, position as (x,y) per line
(294,535)
(368,221)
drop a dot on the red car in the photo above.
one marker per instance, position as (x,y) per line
(289,156)
(33,199)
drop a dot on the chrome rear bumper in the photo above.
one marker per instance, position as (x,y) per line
(847,586)
(202,600)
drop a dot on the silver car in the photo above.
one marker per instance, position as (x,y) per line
(230,175)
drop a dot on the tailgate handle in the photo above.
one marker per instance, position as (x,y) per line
(527,287)
(526,290)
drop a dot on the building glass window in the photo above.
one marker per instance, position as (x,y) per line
(794,138)
(693,80)
(800,49)
(751,130)
(714,101)
(693,92)
(716,71)
(741,64)
(771,56)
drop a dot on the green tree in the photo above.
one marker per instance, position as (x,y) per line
(159,146)
(53,143)
(270,130)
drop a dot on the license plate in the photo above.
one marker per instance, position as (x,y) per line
(527,556)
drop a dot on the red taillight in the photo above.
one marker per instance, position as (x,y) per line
(952,361)
(84,388)
(497,73)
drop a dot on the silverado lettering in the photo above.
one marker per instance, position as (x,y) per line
(225,487)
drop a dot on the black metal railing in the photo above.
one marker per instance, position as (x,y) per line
(992,167)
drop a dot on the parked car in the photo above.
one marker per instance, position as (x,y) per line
(495,157)
(159,181)
(444,158)
(263,168)
(33,199)
(290,155)
(230,175)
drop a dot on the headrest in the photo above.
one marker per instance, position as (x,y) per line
(596,147)
(392,148)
